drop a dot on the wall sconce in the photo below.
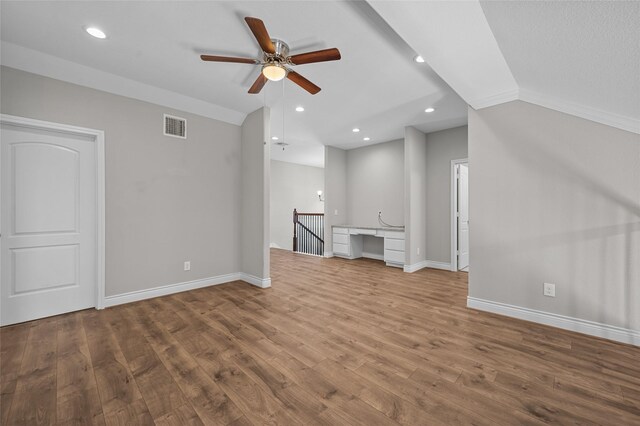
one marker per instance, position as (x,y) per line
(320,196)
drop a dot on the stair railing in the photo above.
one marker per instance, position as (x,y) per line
(307,229)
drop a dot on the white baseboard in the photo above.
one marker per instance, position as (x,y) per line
(253,280)
(165,290)
(415,267)
(328,254)
(592,328)
(438,265)
(427,264)
(374,256)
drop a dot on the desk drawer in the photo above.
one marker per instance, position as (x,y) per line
(394,234)
(391,244)
(340,238)
(393,256)
(340,230)
(341,249)
(360,231)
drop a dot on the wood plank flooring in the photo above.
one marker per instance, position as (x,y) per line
(333,342)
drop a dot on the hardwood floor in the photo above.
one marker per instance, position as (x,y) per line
(333,342)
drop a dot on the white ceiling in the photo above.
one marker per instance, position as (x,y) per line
(376,86)
(577,57)
(582,58)
(586,53)
(456,40)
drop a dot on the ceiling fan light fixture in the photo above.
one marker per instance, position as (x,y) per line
(274,72)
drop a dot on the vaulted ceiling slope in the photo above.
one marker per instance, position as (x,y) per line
(578,57)
(581,58)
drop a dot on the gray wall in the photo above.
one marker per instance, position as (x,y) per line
(375,182)
(335,188)
(442,147)
(555,198)
(416,208)
(254,229)
(292,186)
(167,200)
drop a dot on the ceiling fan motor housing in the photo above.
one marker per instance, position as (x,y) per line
(281,54)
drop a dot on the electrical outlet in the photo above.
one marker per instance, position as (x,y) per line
(549,290)
(335,212)
(187,265)
(418,250)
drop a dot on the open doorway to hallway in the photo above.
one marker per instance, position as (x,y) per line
(297,200)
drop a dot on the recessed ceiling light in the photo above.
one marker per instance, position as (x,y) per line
(97,33)
(299,109)
(419,59)
(429,109)
(366,139)
(355,130)
(274,138)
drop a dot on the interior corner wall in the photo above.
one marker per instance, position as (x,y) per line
(555,198)
(335,192)
(168,200)
(255,228)
(375,182)
(293,186)
(442,147)
(415,200)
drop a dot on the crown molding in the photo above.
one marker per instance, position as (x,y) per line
(33,61)
(618,121)
(497,99)
(622,122)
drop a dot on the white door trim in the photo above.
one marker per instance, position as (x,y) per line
(98,138)
(454,209)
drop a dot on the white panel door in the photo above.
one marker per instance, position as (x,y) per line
(463,217)
(48,221)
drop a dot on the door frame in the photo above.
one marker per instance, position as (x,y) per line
(97,136)
(454,210)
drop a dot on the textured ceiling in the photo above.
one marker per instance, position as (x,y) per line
(583,52)
(577,57)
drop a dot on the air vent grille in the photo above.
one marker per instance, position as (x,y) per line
(175,126)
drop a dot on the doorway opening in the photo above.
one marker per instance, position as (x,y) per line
(460,215)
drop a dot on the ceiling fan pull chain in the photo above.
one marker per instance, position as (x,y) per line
(283,99)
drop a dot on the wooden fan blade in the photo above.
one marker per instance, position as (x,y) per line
(228,59)
(303,82)
(258,84)
(317,56)
(260,33)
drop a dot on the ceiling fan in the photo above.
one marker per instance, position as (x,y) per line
(276,60)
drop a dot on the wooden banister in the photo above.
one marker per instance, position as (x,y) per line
(295,230)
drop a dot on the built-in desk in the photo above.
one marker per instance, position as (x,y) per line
(347,242)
